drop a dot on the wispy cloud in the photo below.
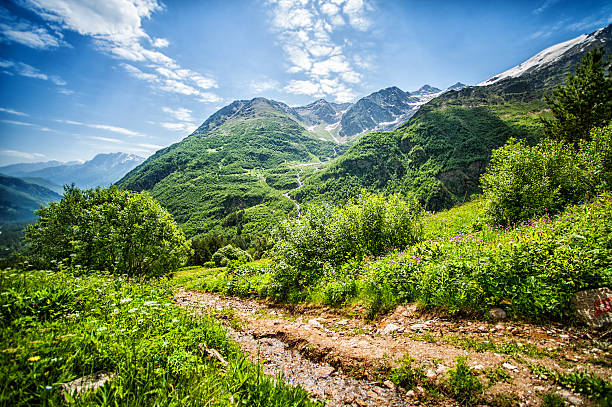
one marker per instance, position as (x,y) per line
(21,154)
(19,68)
(117,30)
(106,139)
(19,30)
(185,121)
(11,111)
(305,31)
(592,22)
(545,5)
(114,129)
(263,85)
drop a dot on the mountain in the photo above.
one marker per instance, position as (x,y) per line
(229,176)
(102,170)
(19,199)
(322,112)
(440,153)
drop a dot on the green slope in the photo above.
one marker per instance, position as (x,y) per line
(438,155)
(216,180)
(19,199)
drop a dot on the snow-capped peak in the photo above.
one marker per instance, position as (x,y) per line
(549,55)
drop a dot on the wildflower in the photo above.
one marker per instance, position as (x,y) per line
(148,303)
(132,310)
(102,328)
(124,300)
(48,387)
(33,358)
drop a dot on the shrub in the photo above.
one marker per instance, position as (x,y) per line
(463,383)
(522,182)
(327,235)
(108,229)
(224,255)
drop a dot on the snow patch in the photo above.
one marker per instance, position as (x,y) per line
(549,55)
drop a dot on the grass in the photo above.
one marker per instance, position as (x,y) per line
(57,327)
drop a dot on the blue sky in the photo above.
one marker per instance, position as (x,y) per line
(81,77)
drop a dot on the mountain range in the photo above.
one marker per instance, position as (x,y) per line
(102,170)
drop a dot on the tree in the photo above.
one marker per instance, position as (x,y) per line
(584,103)
(108,229)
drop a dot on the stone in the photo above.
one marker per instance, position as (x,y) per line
(441,369)
(594,306)
(570,397)
(342,322)
(85,384)
(497,313)
(324,371)
(419,327)
(315,323)
(510,367)
(390,328)
(389,384)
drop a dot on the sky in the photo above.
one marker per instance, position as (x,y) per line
(82,77)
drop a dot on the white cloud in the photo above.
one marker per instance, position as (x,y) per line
(22,31)
(18,123)
(11,111)
(149,147)
(208,97)
(314,51)
(29,71)
(181,113)
(160,43)
(106,139)
(264,85)
(181,126)
(116,28)
(547,4)
(114,129)
(21,154)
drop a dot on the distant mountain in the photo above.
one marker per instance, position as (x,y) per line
(19,199)
(102,170)
(229,176)
(440,152)
(322,112)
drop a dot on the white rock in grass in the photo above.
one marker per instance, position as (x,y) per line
(86,383)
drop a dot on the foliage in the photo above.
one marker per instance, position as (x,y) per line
(463,383)
(224,255)
(522,182)
(107,229)
(406,375)
(584,102)
(57,327)
(327,236)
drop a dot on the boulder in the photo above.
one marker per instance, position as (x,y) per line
(594,306)
(497,313)
(85,383)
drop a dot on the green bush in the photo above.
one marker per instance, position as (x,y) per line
(107,229)
(463,383)
(522,181)
(329,236)
(224,255)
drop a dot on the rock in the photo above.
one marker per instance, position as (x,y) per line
(441,369)
(497,313)
(389,384)
(431,374)
(570,397)
(86,383)
(478,367)
(315,323)
(342,322)
(324,371)
(390,328)
(410,393)
(510,367)
(419,327)
(594,306)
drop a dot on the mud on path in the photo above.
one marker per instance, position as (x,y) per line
(344,359)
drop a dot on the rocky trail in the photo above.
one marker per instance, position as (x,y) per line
(286,194)
(345,360)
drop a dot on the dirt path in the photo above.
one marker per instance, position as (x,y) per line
(344,359)
(286,194)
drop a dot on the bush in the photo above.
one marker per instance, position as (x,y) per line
(463,383)
(107,229)
(522,182)
(327,235)
(224,255)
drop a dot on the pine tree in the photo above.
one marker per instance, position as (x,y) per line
(584,102)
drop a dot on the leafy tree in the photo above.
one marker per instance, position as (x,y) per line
(108,229)
(584,102)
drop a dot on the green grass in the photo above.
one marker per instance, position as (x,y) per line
(57,327)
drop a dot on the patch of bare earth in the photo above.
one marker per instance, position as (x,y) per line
(344,359)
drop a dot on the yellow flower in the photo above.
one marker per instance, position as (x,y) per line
(34,359)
